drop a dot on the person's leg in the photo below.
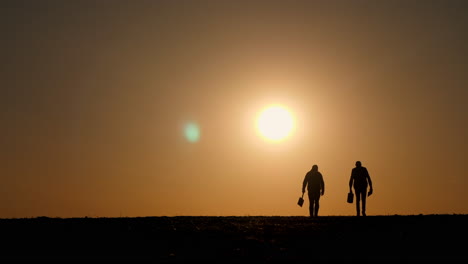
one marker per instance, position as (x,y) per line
(317,205)
(311,204)
(358,202)
(364,195)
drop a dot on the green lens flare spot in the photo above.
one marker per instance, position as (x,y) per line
(192,132)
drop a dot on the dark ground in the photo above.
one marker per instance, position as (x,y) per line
(260,239)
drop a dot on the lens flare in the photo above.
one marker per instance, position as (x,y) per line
(192,132)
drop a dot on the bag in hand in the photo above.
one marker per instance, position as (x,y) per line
(301,200)
(350,197)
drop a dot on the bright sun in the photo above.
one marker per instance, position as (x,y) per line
(275,123)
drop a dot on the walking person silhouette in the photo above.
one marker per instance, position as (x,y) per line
(360,179)
(313,180)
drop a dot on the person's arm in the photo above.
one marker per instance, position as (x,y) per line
(322,184)
(304,184)
(368,179)
(351,183)
(371,190)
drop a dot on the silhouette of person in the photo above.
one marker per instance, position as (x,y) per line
(360,179)
(315,188)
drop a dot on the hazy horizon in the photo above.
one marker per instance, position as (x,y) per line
(96,96)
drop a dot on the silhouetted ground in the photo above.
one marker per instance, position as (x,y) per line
(238,239)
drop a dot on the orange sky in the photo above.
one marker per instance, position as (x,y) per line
(95,96)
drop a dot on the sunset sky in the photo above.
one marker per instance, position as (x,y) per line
(149,108)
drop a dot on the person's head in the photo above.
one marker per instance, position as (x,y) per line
(358,164)
(315,168)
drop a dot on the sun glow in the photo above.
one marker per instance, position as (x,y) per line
(275,123)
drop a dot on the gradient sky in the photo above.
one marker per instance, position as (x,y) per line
(96,95)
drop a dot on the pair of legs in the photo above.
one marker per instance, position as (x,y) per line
(314,198)
(361,197)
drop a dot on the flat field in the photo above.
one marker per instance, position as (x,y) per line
(236,239)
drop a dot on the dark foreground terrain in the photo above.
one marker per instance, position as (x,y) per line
(260,239)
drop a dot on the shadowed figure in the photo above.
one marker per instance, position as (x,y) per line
(315,188)
(360,179)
